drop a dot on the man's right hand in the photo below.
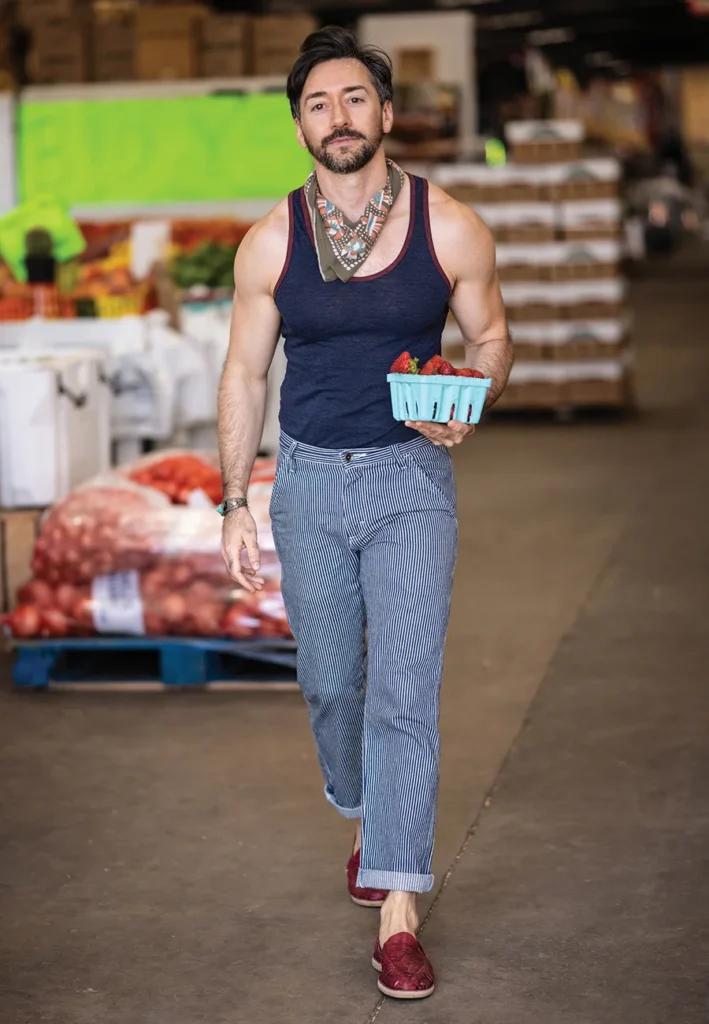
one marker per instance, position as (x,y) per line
(239,533)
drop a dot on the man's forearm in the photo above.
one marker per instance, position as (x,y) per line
(494,358)
(241,413)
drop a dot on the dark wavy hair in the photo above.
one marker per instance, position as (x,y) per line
(334,43)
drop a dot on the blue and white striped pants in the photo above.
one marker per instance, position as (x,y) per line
(367,541)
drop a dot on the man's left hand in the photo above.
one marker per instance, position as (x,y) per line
(443,434)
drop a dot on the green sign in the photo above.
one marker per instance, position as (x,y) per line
(187,149)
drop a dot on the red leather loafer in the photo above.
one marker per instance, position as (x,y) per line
(405,970)
(362,897)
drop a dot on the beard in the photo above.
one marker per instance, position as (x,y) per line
(345,163)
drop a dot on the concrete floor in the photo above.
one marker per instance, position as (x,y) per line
(169,859)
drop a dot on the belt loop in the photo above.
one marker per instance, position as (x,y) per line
(290,454)
(400,455)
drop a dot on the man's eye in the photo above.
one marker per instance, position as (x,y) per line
(319,106)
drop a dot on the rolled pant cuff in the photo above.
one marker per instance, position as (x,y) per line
(394,881)
(346,812)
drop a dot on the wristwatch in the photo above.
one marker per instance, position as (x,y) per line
(229,504)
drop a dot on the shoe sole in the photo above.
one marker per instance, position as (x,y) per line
(376,965)
(367,903)
(395,993)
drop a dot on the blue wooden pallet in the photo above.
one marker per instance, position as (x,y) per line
(173,661)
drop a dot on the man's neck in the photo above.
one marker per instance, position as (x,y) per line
(351,192)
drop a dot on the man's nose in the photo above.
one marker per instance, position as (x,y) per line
(340,115)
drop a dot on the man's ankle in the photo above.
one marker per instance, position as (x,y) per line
(398,914)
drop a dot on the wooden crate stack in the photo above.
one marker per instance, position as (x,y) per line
(556,218)
(124,40)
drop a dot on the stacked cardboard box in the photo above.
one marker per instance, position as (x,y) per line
(19,529)
(542,142)
(7,80)
(113,41)
(276,42)
(558,261)
(225,46)
(60,39)
(592,179)
(557,229)
(6,26)
(120,40)
(168,41)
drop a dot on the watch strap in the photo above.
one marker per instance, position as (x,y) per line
(229,504)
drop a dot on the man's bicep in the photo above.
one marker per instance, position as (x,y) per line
(255,320)
(255,329)
(476,300)
(479,310)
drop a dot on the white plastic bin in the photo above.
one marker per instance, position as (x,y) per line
(54,425)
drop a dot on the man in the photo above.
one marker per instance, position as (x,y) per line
(354,268)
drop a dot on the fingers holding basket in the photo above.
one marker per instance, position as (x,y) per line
(443,434)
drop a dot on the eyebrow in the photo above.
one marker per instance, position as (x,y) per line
(348,88)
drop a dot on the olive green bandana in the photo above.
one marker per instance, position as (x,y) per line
(341,245)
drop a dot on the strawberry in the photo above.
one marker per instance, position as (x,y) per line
(467,372)
(430,369)
(446,370)
(405,364)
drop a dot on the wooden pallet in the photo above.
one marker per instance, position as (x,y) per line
(167,661)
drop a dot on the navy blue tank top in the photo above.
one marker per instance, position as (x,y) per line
(341,338)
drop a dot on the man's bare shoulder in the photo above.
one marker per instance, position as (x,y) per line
(268,235)
(263,250)
(451,216)
(463,242)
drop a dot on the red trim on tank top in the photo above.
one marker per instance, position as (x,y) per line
(306,214)
(429,236)
(407,240)
(289,252)
(409,233)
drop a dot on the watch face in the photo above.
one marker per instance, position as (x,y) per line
(230,503)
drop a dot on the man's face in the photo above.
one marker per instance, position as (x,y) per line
(342,123)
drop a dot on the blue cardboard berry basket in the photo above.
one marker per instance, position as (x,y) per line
(437,399)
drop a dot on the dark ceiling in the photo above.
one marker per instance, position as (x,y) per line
(609,34)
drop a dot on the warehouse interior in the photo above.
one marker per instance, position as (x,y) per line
(167,855)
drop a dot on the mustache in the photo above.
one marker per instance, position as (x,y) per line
(342,133)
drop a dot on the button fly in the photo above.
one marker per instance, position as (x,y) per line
(348,457)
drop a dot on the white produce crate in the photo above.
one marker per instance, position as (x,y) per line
(54,424)
(208,324)
(562,372)
(126,333)
(553,253)
(580,214)
(159,379)
(563,293)
(498,215)
(562,332)
(595,169)
(552,131)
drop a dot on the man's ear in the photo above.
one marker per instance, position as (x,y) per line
(387,117)
(299,134)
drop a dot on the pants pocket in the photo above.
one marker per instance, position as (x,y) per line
(277,489)
(435,466)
